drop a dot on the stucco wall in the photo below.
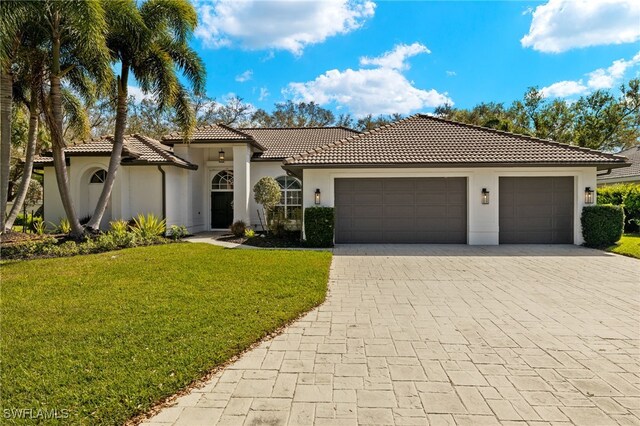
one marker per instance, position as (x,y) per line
(482,219)
(137,189)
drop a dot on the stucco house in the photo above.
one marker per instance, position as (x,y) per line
(419,180)
(629,174)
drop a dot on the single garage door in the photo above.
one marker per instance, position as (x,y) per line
(536,210)
(401,210)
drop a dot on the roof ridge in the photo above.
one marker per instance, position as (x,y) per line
(340,142)
(231,129)
(300,128)
(521,136)
(154,145)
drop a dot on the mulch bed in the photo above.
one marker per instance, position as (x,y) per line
(287,240)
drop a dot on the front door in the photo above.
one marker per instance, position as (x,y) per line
(221,209)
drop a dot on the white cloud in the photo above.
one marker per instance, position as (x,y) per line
(264,94)
(563,89)
(602,78)
(245,76)
(381,90)
(138,94)
(561,25)
(396,58)
(451,73)
(283,25)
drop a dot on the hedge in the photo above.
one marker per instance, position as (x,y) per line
(626,195)
(318,226)
(602,225)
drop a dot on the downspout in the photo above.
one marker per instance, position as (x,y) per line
(164,196)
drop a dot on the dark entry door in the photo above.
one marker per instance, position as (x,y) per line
(221,209)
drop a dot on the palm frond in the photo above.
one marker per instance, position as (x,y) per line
(156,73)
(75,114)
(185,117)
(189,63)
(179,16)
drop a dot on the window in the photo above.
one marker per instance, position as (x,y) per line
(290,198)
(223,181)
(98,177)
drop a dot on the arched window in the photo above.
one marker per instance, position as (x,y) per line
(98,177)
(291,197)
(223,181)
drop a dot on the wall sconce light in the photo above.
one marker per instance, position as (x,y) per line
(588,195)
(316,198)
(221,156)
(485,196)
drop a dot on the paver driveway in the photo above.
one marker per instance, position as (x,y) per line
(446,335)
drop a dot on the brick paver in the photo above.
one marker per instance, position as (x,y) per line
(446,335)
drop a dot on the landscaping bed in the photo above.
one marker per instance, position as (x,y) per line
(106,336)
(288,239)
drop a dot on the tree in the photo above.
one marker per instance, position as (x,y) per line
(267,193)
(234,112)
(151,41)
(73,31)
(289,114)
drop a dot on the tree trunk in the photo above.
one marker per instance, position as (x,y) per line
(6,99)
(55,118)
(28,162)
(116,153)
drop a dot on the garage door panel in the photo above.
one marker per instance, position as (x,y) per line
(403,198)
(401,210)
(536,210)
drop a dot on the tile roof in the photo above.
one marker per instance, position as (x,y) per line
(281,143)
(274,143)
(136,149)
(210,132)
(633,171)
(426,140)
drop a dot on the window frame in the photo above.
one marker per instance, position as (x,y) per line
(225,176)
(99,175)
(285,189)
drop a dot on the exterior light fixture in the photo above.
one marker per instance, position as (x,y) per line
(221,156)
(485,196)
(316,197)
(588,195)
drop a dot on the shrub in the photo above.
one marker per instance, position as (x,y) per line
(318,226)
(148,227)
(602,225)
(178,232)
(238,227)
(626,195)
(267,194)
(277,223)
(249,233)
(64,227)
(28,248)
(39,227)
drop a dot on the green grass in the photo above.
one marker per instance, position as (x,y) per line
(105,336)
(629,245)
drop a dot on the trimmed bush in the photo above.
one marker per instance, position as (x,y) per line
(238,227)
(602,225)
(318,226)
(626,195)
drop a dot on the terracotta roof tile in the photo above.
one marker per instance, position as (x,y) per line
(212,131)
(423,139)
(633,154)
(136,149)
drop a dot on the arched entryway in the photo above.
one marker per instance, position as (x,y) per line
(222,200)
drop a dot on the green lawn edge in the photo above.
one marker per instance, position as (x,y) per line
(107,336)
(629,245)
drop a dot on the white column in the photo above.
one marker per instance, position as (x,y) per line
(483,218)
(241,182)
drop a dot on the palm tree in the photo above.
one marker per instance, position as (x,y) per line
(151,41)
(75,32)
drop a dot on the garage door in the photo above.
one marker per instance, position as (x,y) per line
(536,210)
(401,210)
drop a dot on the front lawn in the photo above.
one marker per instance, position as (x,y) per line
(629,245)
(105,336)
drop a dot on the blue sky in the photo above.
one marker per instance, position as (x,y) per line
(420,53)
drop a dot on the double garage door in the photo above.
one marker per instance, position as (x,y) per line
(434,210)
(401,210)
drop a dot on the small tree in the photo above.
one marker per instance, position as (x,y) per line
(267,194)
